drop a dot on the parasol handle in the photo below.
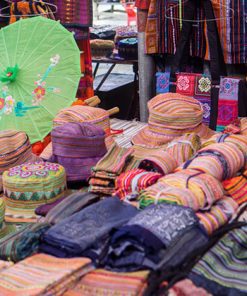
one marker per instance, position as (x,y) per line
(113,111)
(94,101)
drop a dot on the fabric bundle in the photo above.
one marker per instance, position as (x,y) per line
(236,187)
(86,229)
(103,282)
(223,269)
(108,169)
(183,148)
(132,182)
(77,147)
(170,116)
(188,188)
(29,185)
(42,275)
(15,149)
(88,114)
(69,206)
(166,233)
(22,243)
(218,215)
(221,160)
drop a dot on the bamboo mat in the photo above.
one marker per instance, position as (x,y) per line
(130,129)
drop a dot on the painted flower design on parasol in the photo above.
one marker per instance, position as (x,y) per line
(7,103)
(33,169)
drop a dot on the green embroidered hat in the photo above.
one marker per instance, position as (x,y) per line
(30,185)
(5,229)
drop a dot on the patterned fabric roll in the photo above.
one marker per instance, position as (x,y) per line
(134,181)
(5,228)
(22,243)
(237,188)
(221,160)
(29,185)
(219,214)
(188,188)
(5,264)
(103,282)
(223,269)
(77,147)
(15,149)
(170,116)
(42,275)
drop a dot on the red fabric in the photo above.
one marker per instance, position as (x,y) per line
(142,4)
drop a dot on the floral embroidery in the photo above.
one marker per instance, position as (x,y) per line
(204,84)
(183,83)
(33,169)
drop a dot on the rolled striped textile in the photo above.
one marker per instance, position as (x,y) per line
(15,149)
(170,116)
(243,126)
(104,282)
(223,269)
(236,187)
(190,188)
(29,185)
(132,182)
(77,146)
(219,214)
(23,242)
(220,160)
(42,274)
(183,148)
(5,228)
(239,140)
(69,206)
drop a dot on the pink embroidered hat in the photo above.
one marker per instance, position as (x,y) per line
(171,115)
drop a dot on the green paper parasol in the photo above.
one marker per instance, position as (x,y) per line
(39,75)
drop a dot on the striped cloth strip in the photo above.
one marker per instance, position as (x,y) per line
(236,187)
(220,160)
(132,182)
(103,282)
(42,275)
(223,269)
(218,215)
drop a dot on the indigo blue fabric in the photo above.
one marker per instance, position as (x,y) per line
(159,235)
(75,234)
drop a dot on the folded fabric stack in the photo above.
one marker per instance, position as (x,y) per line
(87,114)
(221,160)
(108,169)
(42,275)
(188,188)
(69,206)
(170,116)
(29,185)
(77,147)
(183,148)
(23,242)
(132,182)
(103,282)
(236,187)
(84,233)
(160,233)
(223,269)
(15,149)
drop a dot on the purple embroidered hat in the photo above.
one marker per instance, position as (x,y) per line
(77,146)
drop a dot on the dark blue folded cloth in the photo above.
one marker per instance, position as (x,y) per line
(75,234)
(160,235)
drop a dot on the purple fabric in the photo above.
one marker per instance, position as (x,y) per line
(44,209)
(77,147)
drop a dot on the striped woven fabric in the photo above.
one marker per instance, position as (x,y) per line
(237,188)
(219,214)
(42,275)
(103,282)
(223,269)
(170,116)
(5,264)
(189,188)
(132,182)
(5,228)
(23,242)
(220,160)
(187,288)
(243,126)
